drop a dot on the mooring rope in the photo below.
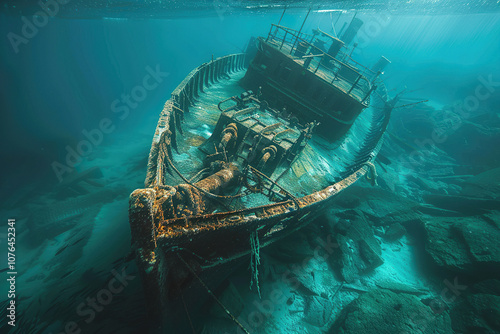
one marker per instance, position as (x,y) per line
(372,175)
(198,174)
(213,296)
(294,199)
(255,260)
(187,313)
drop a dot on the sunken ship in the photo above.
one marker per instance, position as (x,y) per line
(249,148)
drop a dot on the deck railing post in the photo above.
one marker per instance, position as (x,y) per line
(319,63)
(283,41)
(206,75)
(212,71)
(376,76)
(185,101)
(354,84)
(372,88)
(336,74)
(202,78)
(195,83)
(198,84)
(191,89)
(216,70)
(269,34)
(218,64)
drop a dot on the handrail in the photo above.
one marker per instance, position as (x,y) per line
(288,36)
(180,100)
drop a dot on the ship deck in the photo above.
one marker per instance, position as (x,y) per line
(319,165)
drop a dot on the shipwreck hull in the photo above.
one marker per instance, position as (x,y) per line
(208,249)
(178,256)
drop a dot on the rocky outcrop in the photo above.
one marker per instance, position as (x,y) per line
(394,232)
(381,207)
(484,185)
(476,313)
(464,205)
(318,310)
(467,245)
(383,311)
(360,251)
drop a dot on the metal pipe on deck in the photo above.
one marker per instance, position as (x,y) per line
(222,179)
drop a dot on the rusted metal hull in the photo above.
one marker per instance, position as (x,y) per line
(172,253)
(212,244)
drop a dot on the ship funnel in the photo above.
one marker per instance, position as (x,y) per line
(335,47)
(380,65)
(352,30)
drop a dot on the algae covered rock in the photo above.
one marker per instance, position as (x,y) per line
(360,252)
(383,311)
(466,245)
(318,310)
(489,286)
(394,232)
(479,313)
(444,247)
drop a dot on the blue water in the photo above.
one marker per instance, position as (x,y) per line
(63,81)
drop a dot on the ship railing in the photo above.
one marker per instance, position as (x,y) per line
(182,99)
(341,71)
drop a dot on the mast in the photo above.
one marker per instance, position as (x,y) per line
(302,26)
(284,10)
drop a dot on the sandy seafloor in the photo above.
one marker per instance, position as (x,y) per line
(72,239)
